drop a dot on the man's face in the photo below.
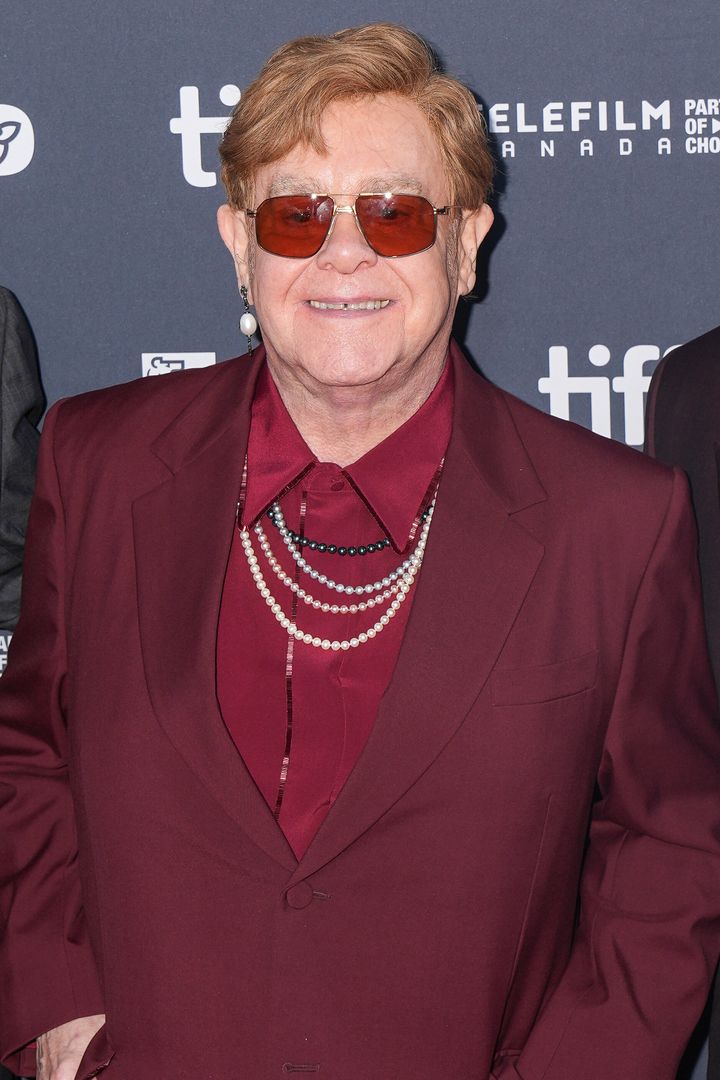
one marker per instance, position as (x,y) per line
(374,144)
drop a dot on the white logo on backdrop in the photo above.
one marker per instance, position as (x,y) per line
(5,638)
(583,127)
(632,385)
(615,126)
(191,127)
(164,363)
(17,140)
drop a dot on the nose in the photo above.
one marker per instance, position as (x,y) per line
(345,249)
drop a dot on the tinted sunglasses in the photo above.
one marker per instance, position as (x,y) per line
(296,226)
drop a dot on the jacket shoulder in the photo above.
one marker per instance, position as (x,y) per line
(109,436)
(570,452)
(158,395)
(702,354)
(683,410)
(136,412)
(688,370)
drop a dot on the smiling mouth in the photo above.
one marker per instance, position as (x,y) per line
(363,305)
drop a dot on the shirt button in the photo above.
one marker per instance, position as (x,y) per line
(300,895)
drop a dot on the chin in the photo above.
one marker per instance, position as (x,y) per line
(350,374)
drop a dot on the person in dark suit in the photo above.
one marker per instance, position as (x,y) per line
(339,734)
(21,406)
(683,428)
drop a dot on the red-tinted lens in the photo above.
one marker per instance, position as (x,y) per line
(396,225)
(293,225)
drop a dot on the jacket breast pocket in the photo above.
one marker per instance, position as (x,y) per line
(550,682)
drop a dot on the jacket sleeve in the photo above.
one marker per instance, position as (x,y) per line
(47,969)
(21,406)
(649,919)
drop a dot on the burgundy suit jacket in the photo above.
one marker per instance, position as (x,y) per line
(520,877)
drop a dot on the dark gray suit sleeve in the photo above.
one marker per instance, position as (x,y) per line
(683,428)
(21,406)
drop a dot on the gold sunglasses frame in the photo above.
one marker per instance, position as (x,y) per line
(349,208)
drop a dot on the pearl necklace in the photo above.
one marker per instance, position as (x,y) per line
(405,583)
(331,549)
(306,597)
(323,579)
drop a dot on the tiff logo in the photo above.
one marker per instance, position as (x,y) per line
(191,126)
(632,385)
(164,363)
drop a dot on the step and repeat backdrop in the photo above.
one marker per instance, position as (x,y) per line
(605,122)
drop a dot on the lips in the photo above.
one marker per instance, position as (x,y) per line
(343,305)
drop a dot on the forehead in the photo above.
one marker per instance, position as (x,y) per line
(373,144)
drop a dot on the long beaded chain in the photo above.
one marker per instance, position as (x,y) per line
(404,580)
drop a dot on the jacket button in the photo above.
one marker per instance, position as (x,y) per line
(300,895)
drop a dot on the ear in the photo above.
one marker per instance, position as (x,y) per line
(233,228)
(474,228)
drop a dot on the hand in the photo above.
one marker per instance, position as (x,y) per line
(60,1051)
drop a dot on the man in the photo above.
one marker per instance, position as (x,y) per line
(682,429)
(340,668)
(21,406)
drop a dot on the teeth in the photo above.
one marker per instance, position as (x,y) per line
(366,305)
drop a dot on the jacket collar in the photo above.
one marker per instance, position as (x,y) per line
(222,405)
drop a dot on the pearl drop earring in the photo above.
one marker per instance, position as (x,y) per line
(248,322)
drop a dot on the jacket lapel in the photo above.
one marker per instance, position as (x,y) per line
(183,530)
(478,567)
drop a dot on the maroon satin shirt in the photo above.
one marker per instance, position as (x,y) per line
(301,721)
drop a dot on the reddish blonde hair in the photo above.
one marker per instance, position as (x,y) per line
(284,106)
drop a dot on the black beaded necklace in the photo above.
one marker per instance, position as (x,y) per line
(335,549)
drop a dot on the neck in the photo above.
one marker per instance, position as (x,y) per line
(342,423)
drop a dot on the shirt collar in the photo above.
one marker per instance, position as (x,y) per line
(392,478)
(277,454)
